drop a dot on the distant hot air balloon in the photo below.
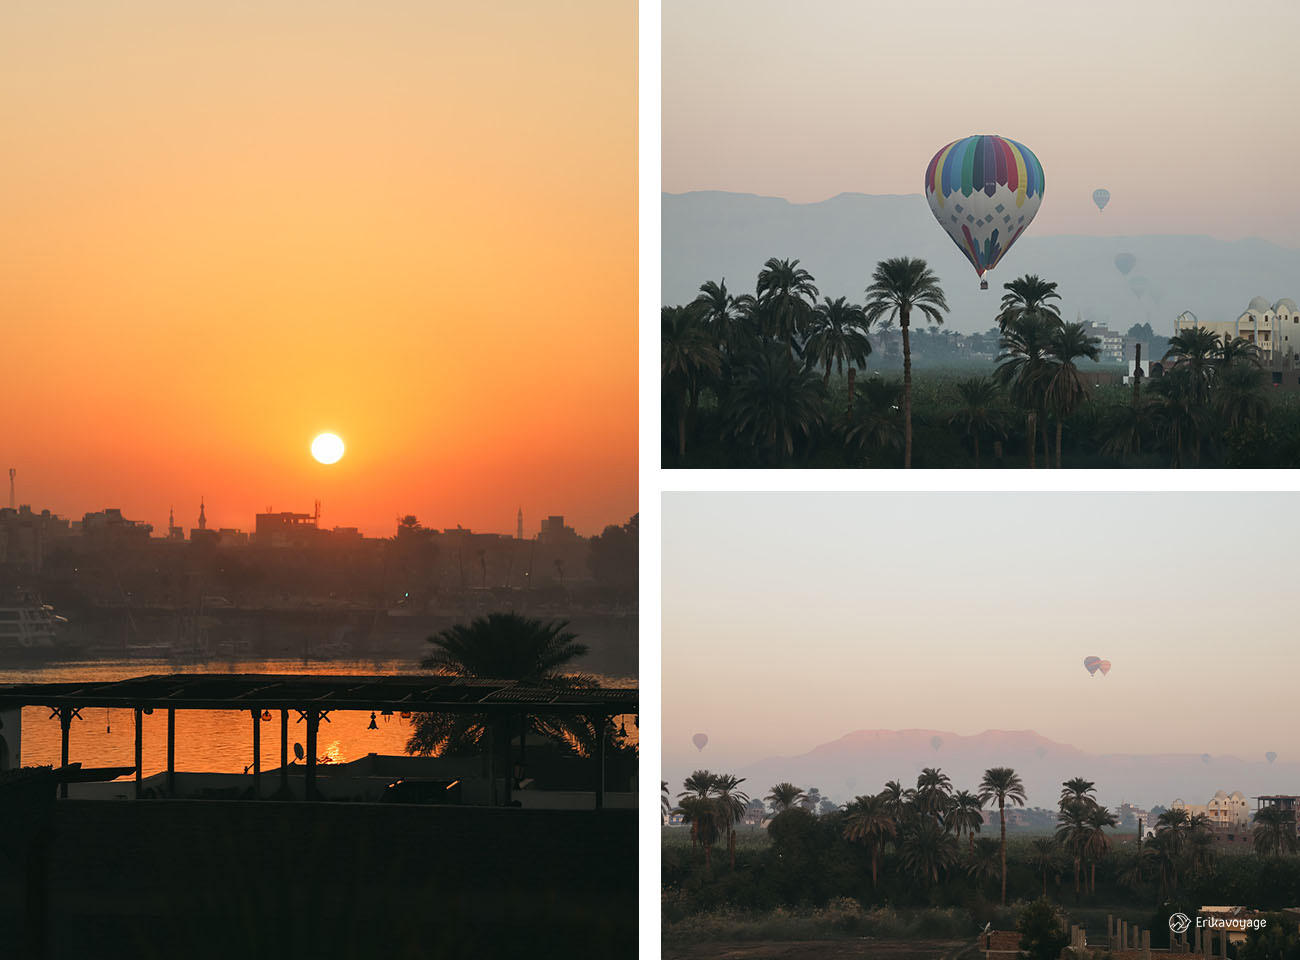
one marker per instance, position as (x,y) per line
(1091,664)
(984,191)
(936,743)
(1205,758)
(700,740)
(1041,751)
(1104,667)
(1124,262)
(1139,285)
(1101,197)
(1270,756)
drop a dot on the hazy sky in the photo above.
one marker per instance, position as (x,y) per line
(231,225)
(792,619)
(1183,109)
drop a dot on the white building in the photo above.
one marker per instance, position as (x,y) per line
(1273,328)
(1223,809)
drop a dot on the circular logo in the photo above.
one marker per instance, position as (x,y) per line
(1179,923)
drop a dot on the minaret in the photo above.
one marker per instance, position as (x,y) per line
(519,524)
(203,520)
(12,471)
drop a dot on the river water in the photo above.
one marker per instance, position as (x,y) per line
(219,741)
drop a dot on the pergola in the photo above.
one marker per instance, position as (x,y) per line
(314,697)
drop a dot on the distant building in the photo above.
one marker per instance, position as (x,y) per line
(1110,345)
(26,538)
(284,529)
(109,528)
(554,531)
(1273,328)
(1223,810)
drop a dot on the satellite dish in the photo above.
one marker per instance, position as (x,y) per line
(297,750)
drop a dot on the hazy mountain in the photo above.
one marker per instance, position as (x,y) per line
(861,762)
(709,235)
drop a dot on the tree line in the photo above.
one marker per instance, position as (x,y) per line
(749,376)
(926,842)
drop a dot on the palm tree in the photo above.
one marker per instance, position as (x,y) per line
(966,814)
(784,796)
(1200,845)
(1077,788)
(983,860)
(1096,844)
(978,413)
(1195,350)
(1064,391)
(731,807)
(1028,296)
(926,849)
(772,401)
(1172,828)
(933,789)
(838,337)
(705,818)
(1073,832)
(718,309)
(876,423)
(687,357)
(1044,857)
(1234,350)
(1024,368)
(502,646)
(1003,785)
(894,797)
(788,293)
(899,286)
(869,820)
(1239,395)
(664,805)
(1125,427)
(699,785)
(1274,833)
(1180,417)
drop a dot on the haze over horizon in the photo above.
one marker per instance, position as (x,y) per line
(1180,109)
(791,620)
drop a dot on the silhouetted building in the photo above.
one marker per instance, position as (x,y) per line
(554,531)
(285,529)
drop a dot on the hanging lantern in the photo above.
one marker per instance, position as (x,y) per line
(373,725)
(406,714)
(266,715)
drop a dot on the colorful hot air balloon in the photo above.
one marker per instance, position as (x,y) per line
(700,740)
(1101,197)
(1091,664)
(1124,262)
(984,191)
(1270,756)
(1104,667)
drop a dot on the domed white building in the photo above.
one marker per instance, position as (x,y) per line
(1273,327)
(1223,809)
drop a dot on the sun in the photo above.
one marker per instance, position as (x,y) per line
(327,448)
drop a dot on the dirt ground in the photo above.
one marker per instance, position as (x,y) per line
(864,949)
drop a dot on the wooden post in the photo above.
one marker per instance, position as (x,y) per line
(257,754)
(313,724)
(600,747)
(65,723)
(171,751)
(284,752)
(139,752)
(507,768)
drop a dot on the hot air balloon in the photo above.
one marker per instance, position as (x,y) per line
(700,740)
(936,743)
(1205,758)
(1139,285)
(984,191)
(1270,756)
(1104,667)
(1124,262)
(1091,664)
(1101,197)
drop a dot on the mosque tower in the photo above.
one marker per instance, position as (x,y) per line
(203,520)
(519,524)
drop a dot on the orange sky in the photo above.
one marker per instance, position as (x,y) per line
(232,225)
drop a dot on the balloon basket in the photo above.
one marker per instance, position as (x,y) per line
(984,284)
